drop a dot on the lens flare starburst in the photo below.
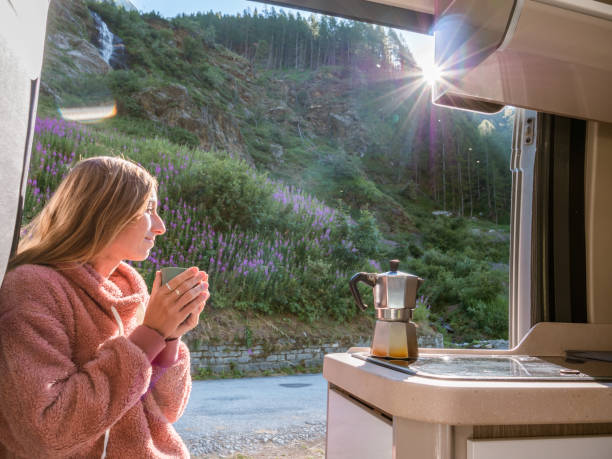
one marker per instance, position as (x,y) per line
(431,73)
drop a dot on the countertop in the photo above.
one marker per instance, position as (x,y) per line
(484,402)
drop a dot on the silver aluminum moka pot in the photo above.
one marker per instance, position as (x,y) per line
(395,296)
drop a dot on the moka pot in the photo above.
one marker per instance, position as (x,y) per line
(395,294)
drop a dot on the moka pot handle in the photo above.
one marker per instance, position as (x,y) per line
(366,278)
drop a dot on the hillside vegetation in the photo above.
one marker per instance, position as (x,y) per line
(291,153)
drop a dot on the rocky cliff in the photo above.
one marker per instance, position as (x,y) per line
(217,114)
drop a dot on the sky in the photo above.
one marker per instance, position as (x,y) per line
(421,46)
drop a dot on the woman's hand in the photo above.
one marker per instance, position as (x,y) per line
(193,319)
(171,304)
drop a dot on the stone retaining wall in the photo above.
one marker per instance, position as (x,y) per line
(284,354)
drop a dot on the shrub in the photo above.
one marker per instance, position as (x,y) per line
(491,318)
(445,233)
(415,250)
(366,236)
(182,136)
(452,279)
(227,192)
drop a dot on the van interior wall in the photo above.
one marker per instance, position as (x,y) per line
(598,206)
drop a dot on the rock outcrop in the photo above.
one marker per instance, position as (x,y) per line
(172,105)
(84,57)
(215,114)
(69,52)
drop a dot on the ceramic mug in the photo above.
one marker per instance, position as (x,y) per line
(170,273)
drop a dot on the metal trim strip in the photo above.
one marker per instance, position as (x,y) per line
(363,10)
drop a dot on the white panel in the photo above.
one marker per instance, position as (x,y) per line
(22,31)
(354,431)
(583,447)
(421,440)
(22,39)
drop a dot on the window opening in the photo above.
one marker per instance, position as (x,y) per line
(292,150)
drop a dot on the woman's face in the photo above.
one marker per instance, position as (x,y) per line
(136,240)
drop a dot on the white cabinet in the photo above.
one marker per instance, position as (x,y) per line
(355,431)
(583,447)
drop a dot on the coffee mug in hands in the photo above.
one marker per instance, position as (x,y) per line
(167,274)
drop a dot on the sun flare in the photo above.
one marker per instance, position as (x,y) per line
(89,114)
(431,74)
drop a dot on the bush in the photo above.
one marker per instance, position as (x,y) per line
(366,236)
(491,318)
(414,250)
(182,136)
(342,167)
(452,279)
(228,192)
(445,233)
(124,82)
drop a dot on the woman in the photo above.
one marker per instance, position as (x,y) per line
(90,364)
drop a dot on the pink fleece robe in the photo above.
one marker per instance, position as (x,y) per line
(67,375)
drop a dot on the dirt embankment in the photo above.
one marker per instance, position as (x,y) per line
(230,326)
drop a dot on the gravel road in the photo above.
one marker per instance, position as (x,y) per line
(280,416)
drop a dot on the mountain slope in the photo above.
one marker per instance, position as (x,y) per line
(345,127)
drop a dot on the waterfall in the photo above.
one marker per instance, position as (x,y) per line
(105,38)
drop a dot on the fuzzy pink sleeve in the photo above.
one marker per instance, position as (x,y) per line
(169,355)
(53,406)
(171,385)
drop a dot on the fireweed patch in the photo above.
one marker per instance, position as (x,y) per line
(272,270)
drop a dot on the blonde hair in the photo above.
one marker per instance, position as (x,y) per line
(96,200)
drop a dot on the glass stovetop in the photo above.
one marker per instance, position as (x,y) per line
(497,367)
